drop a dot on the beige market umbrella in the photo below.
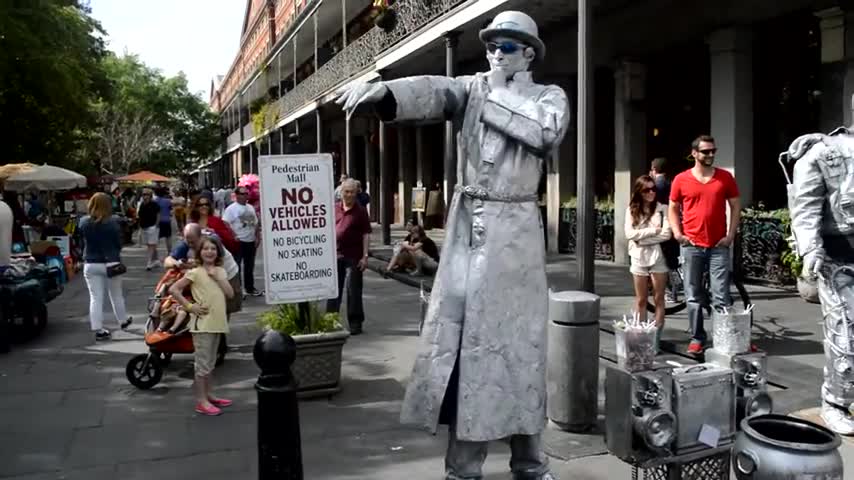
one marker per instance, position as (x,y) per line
(44,177)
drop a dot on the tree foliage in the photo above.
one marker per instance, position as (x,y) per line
(65,100)
(168,128)
(50,54)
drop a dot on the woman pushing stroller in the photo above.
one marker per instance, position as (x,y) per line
(210,287)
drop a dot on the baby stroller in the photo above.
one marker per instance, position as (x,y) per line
(145,370)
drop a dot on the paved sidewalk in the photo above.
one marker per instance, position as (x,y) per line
(68,412)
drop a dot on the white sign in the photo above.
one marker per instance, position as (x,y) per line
(298,221)
(64,244)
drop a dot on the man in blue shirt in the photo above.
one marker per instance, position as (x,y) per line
(183,257)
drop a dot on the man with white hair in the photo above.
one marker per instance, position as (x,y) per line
(183,257)
(353,236)
(481,362)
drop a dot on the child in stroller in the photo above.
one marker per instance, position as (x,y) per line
(172,318)
(166,333)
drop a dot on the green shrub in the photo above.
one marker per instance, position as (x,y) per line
(286,319)
(789,257)
(599,204)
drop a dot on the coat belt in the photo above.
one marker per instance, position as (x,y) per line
(482,193)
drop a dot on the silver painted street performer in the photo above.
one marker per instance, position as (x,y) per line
(482,357)
(821,203)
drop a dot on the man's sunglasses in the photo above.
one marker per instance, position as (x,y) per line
(505,47)
(709,151)
(204,204)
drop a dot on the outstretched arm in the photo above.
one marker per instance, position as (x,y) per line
(538,122)
(423,99)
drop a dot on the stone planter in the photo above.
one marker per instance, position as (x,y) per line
(808,289)
(317,368)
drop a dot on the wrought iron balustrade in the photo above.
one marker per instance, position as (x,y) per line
(412,15)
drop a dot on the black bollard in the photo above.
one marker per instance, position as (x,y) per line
(279,446)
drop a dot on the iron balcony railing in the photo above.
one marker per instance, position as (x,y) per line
(412,15)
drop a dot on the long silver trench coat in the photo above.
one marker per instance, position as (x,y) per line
(489,301)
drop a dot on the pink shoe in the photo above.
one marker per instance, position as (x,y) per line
(221,402)
(210,411)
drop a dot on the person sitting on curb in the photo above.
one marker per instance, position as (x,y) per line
(417,253)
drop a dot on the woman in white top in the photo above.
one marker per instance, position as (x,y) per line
(646,227)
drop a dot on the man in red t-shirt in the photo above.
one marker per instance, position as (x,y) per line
(353,235)
(701,195)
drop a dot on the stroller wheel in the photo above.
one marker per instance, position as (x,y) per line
(221,351)
(144,371)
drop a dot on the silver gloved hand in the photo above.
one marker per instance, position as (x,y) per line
(813,261)
(353,96)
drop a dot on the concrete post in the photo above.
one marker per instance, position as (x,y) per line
(732,105)
(572,370)
(630,146)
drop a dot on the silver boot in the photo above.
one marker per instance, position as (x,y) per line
(837,419)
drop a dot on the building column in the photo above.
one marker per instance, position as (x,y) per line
(419,165)
(450,167)
(404,174)
(371,186)
(833,75)
(584,247)
(553,200)
(253,155)
(629,145)
(319,126)
(561,170)
(732,105)
(282,140)
(386,196)
(348,149)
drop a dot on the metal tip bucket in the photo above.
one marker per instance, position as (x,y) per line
(780,447)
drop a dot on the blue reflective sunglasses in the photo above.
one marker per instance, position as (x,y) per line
(505,47)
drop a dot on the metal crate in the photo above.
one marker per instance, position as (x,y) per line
(712,467)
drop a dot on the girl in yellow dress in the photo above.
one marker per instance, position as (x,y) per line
(210,288)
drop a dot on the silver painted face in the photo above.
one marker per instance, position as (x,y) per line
(510,63)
